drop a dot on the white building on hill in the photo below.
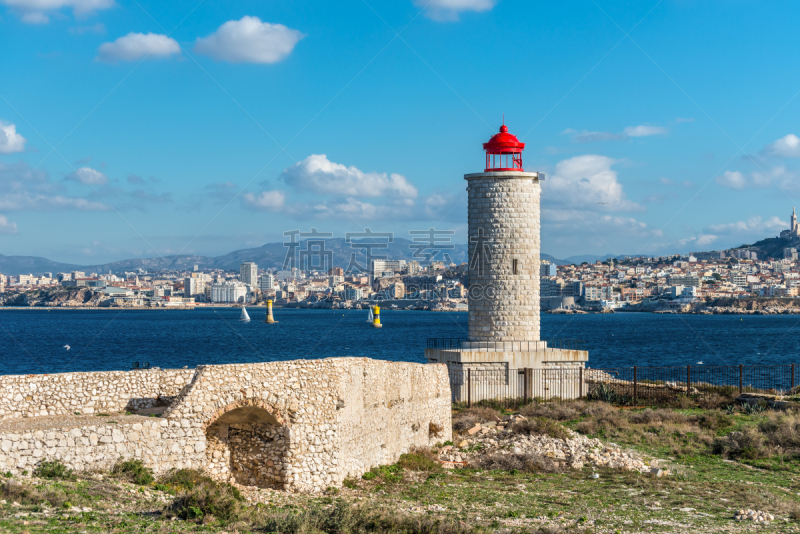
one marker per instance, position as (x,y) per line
(228,292)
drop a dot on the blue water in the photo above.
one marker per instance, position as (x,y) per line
(31,341)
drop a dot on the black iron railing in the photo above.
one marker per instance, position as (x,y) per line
(463,343)
(495,384)
(566,344)
(444,343)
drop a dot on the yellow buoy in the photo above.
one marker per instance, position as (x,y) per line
(376,314)
(269,319)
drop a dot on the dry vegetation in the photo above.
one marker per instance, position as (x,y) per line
(496,493)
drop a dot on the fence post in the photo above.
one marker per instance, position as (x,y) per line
(688,378)
(580,382)
(635,387)
(741,378)
(525,386)
(792,378)
(469,388)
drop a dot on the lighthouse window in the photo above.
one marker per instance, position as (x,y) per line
(514,266)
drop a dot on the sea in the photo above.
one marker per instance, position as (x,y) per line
(34,341)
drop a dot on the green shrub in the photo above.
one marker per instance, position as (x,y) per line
(387,473)
(606,394)
(201,496)
(134,471)
(419,460)
(342,517)
(748,444)
(541,426)
(54,469)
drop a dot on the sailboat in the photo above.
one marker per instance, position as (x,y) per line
(370,317)
(244,317)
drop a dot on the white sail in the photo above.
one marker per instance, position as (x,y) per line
(244,317)
(370,317)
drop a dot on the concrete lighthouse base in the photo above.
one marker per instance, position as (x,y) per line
(492,370)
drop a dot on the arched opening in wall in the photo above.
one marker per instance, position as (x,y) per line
(248,445)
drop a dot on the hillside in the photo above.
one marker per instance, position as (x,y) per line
(772,247)
(268,256)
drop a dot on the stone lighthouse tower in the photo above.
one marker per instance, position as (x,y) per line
(503,341)
(503,216)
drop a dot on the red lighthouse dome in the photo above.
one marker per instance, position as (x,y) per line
(503,152)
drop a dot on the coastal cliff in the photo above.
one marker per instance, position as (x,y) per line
(55,297)
(744,306)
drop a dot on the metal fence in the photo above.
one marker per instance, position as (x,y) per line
(498,385)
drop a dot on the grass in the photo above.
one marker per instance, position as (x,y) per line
(715,472)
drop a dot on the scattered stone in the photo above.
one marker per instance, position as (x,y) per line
(575,452)
(757,516)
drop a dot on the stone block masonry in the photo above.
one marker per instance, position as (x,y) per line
(298,425)
(88,393)
(503,216)
(339,417)
(80,442)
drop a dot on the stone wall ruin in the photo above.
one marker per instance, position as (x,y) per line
(299,425)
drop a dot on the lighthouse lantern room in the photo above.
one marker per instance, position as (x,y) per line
(503,152)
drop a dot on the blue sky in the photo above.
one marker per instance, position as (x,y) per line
(132,129)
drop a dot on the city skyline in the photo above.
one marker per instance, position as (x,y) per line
(167,132)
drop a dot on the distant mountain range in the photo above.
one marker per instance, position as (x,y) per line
(268,256)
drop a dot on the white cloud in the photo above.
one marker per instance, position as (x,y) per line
(7,227)
(136,46)
(88,176)
(666,181)
(438,205)
(35,17)
(780,176)
(10,140)
(334,179)
(701,240)
(593,233)
(787,146)
(588,182)
(644,131)
(449,10)
(732,179)
(585,136)
(706,239)
(34,11)
(249,40)
(356,209)
(753,225)
(265,200)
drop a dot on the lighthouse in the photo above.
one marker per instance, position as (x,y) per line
(503,218)
(503,339)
